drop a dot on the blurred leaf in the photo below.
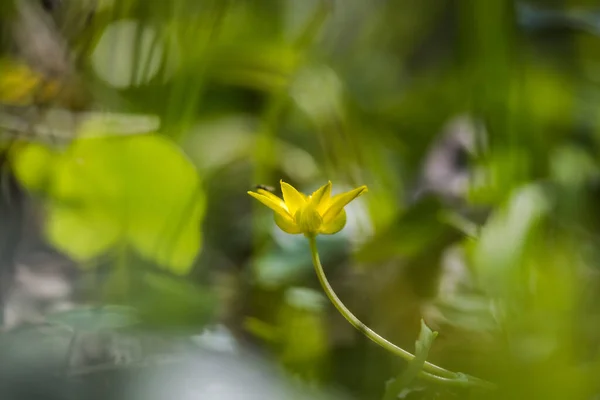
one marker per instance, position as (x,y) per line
(33,165)
(169,301)
(471,312)
(257,65)
(573,167)
(306,299)
(497,255)
(504,170)
(543,96)
(303,340)
(318,92)
(82,233)
(420,228)
(91,318)
(261,329)
(104,190)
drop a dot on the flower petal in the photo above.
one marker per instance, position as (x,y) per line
(269,195)
(287,224)
(294,200)
(320,198)
(274,203)
(335,225)
(339,201)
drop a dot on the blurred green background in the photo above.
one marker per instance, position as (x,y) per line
(132,131)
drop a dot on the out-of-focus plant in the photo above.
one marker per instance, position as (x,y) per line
(474,124)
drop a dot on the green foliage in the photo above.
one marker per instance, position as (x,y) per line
(495,245)
(422,346)
(174,303)
(105,192)
(108,317)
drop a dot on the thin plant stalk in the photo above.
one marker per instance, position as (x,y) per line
(430,372)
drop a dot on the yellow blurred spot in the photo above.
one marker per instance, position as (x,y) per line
(261,329)
(20,85)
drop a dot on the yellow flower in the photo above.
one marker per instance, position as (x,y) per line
(311,215)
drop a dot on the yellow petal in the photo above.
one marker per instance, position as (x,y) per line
(338,202)
(320,198)
(274,203)
(268,194)
(293,199)
(287,224)
(335,225)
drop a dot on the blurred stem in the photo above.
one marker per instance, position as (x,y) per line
(314,24)
(123,278)
(265,150)
(430,372)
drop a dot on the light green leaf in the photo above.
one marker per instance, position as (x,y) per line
(138,190)
(498,254)
(422,347)
(31,163)
(81,233)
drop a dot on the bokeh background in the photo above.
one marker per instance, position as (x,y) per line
(133,265)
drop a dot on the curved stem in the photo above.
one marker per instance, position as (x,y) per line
(430,371)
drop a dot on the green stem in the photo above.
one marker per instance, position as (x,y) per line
(430,371)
